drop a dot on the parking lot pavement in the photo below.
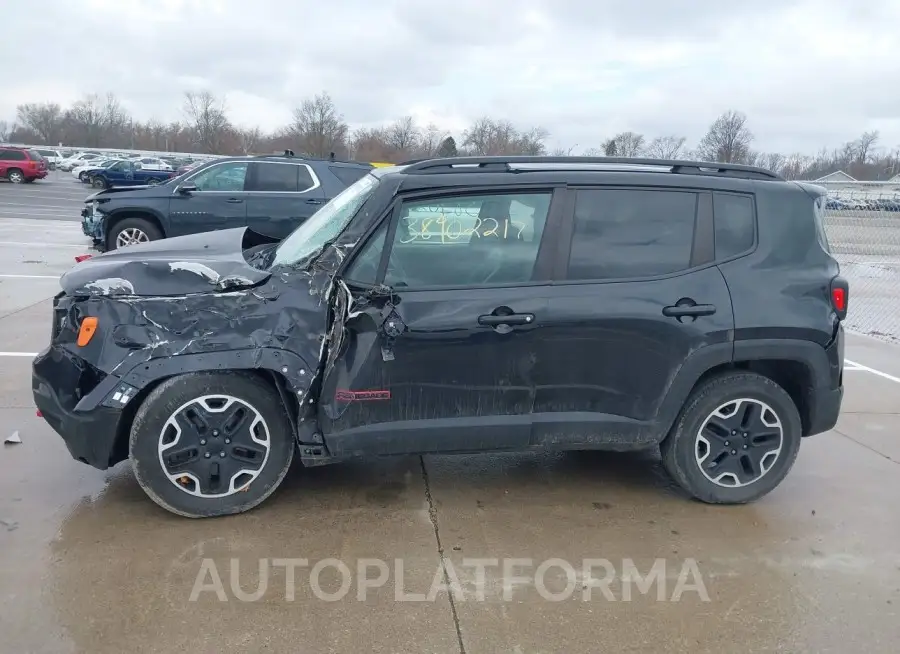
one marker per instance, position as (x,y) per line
(89,563)
(59,196)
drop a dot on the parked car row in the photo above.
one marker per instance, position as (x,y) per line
(863,204)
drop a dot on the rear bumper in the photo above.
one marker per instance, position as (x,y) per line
(826,399)
(87,427)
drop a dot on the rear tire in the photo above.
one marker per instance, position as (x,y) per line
(199,460)
(716,459)
(132,231)
(15,176)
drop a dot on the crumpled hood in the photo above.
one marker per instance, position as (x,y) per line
(199,263)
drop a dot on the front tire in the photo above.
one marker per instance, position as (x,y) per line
(132,231)
(211,444)
(735,441)
(99,182)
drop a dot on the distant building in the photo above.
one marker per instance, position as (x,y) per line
(836,178)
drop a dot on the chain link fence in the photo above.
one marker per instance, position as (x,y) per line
(862,221)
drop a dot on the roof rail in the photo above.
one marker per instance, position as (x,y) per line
(518,163)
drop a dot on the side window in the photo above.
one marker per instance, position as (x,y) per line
(346,174)
(735,226)
(624,233)
(469,240)
(4,155)
(224,177)
(305,179)
(364,268)
(278,178)
(15,155)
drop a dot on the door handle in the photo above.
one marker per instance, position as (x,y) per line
(234,200)
(315,201)
(688,309)
(492,320)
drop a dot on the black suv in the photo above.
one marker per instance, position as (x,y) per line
(461,305)
(271,194)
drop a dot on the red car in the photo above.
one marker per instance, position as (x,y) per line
(20,165)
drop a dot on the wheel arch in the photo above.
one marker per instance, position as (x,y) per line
(793,364)
(283,372)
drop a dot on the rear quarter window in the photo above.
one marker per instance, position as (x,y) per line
(735,219)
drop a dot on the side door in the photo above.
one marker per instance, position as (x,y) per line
(639,311)
(280,196)
(4,162)
(210,199)
(442,355)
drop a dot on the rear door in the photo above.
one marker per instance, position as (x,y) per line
(281,195)
(637,301)
(219,201)
(446,360)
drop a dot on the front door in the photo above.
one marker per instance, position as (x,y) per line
(442,356)
(637,301)
(218,202)
(281,196)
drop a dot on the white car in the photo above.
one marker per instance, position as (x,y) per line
(54,157)
(91,165)
(151,163)
(79,159)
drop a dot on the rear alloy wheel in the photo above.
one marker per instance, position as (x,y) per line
(735,441)
(16,176)
(216,451)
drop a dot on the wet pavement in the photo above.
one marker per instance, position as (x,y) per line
(89,564)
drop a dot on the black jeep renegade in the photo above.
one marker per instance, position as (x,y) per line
(460,305)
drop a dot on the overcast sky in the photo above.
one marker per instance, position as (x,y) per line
(809,73)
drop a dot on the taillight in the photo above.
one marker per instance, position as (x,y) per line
(840,296)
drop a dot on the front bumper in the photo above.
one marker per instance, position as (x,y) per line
(87,427)
(92,224)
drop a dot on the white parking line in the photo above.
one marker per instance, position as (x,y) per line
(2,276)
(885,375)
(18,354)
(44,245)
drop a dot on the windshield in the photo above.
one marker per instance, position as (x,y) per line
(324,225)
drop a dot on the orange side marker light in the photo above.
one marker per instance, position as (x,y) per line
(86,331)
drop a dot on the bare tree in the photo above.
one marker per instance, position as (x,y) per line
(44,119)
(249,139)
(86,120)
(403,135)
(628,144)
(208,120)
(5,130)
(728,139)
(666,147)
(430,140)
(865,145)
(318,127)
(771,161)
(487,136)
